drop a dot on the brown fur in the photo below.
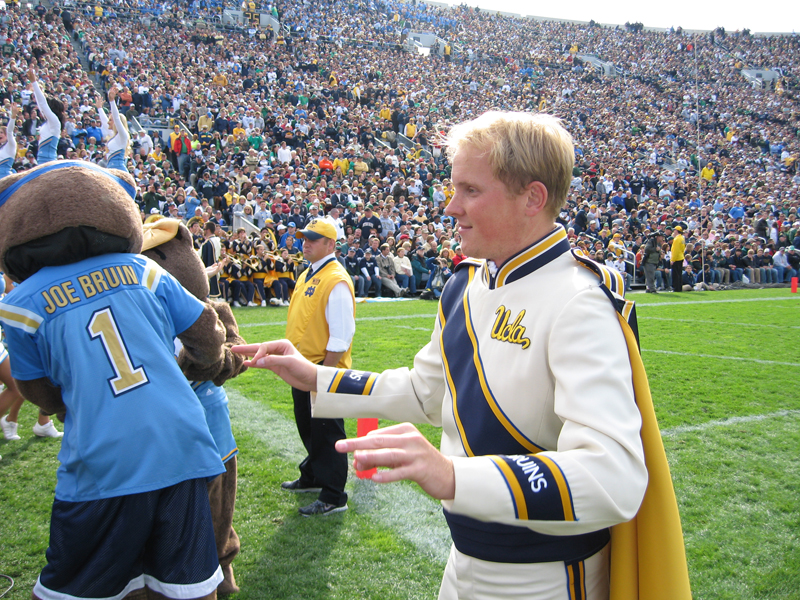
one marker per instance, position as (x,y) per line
(222,497)
(68,197)
(43,394)
(203,352)
(177,256)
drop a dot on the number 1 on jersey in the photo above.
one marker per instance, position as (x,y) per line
(128,377)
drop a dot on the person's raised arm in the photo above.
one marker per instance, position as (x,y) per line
(101,113)
(41,101)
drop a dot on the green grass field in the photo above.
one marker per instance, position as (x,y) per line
(723,368)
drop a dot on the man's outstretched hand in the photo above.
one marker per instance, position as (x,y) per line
(283,359)
(408,455)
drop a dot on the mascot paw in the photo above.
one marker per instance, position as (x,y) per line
(228,585)
(233,366)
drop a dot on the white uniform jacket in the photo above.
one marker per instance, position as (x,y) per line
(528,374)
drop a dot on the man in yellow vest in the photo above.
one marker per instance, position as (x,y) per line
(676,257)
(321,325)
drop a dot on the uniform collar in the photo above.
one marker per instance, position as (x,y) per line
(319,265)
(525,262)
(315,266)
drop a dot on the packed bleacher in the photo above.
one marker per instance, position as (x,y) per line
(331,116)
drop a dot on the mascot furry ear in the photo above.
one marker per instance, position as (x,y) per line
(64,212)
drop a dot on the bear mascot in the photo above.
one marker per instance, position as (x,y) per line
(91,331)
(169,243)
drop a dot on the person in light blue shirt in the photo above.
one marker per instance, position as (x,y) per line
(101,331)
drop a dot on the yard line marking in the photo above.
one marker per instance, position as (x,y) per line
(398,317)
(672,431)
(413,328)
(385,318)
(276,323)
(402,507)
(638,304)
(743,359)
(720,323)
(731,301)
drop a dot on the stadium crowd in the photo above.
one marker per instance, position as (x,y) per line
(330,117)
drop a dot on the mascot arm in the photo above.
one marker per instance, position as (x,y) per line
(202,357)
(234,363)
(43,394)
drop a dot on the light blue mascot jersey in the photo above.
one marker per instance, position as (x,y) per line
(102,330)
(215,403)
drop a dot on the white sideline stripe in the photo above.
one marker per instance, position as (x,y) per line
(720,323)
(385,318)
(672,431)
(412,515)
(731,301)
(638,304)
(743,359)
(413,328)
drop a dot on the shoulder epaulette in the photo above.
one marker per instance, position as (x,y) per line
(613,285)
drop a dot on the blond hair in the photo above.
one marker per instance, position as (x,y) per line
(521,148)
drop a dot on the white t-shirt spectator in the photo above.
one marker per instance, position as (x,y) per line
(285,155)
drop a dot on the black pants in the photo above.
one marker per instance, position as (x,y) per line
(677,276)
(245,288)
(259,285)
(323,467)
(280,288)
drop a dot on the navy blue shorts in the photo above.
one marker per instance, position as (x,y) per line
(107,548)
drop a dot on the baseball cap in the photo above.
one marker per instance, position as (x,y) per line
(678,228)
(316,229)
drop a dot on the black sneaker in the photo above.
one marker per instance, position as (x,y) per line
(318,507)
(299,487)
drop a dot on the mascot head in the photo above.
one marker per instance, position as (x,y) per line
(169,243)
(63,212)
